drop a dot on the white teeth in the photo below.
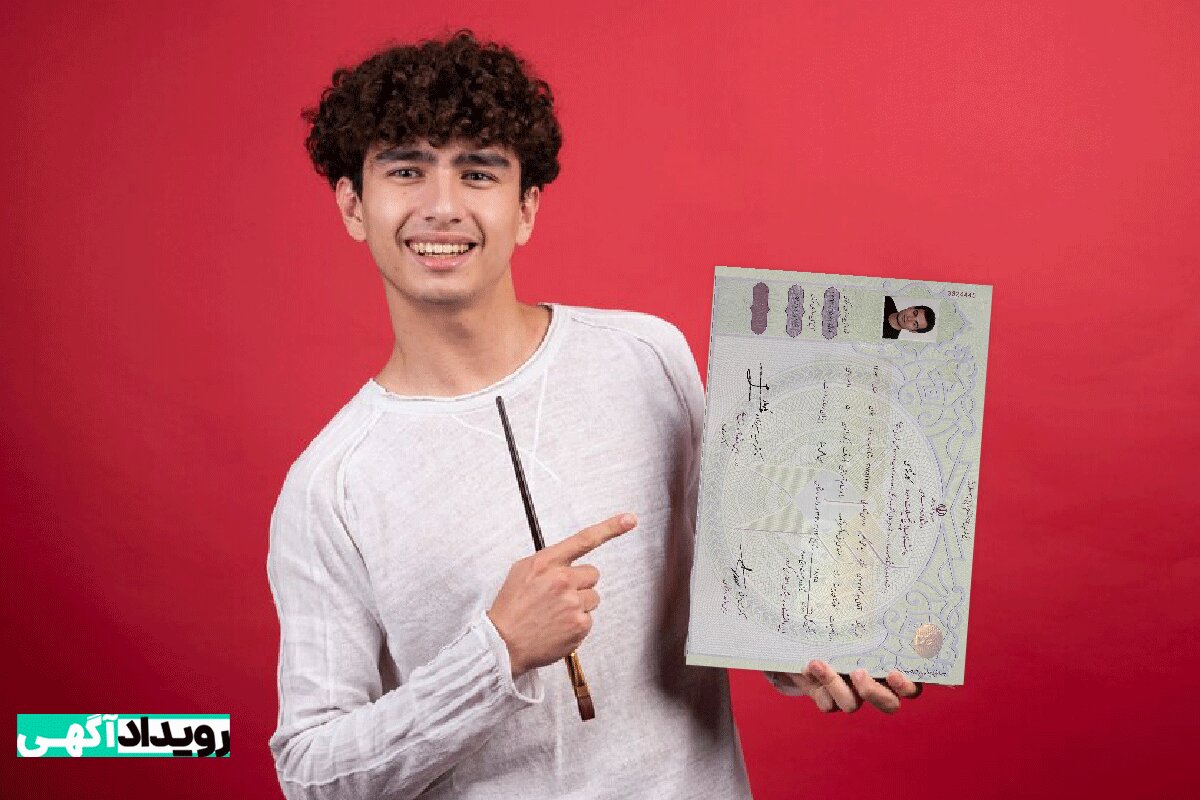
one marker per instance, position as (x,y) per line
(439,249)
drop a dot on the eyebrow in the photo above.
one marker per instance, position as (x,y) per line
(418,155)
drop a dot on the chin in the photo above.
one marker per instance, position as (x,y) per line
(444,298)
(446,292)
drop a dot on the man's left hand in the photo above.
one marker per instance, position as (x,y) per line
(833,692)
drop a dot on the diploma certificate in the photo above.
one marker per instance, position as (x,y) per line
(839,473)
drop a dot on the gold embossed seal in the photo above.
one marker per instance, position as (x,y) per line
(928,640)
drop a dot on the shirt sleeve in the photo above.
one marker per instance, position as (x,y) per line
(680,366)
(684,377)
(339,734)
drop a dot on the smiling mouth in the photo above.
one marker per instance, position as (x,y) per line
(440,249)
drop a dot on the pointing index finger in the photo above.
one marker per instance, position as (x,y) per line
(588,539)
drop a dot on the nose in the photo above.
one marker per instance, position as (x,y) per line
(441,200)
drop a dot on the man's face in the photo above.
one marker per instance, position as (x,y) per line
(441,223)
(912,319)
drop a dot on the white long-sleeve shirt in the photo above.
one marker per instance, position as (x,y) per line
(395,529)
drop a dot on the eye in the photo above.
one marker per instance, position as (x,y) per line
(476,177)
(404,172)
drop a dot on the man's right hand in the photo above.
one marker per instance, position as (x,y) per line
(543,610)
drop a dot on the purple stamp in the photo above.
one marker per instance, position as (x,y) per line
(829,313)
(759,308)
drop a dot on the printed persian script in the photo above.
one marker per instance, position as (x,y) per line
(839,473)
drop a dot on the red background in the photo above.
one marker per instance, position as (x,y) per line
(182,311)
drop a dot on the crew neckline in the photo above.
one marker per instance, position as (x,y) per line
(388,400)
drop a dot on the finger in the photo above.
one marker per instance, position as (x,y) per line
(833,683)
(588,539)
(823,700)
(874,692)
(902,686)
(590,599)
(585,576)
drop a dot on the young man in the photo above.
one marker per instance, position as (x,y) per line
(421,641)
(917,319)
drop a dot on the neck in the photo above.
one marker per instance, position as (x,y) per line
(893,321)
(454,349)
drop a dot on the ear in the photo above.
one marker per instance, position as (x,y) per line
(350,206)
(529,207)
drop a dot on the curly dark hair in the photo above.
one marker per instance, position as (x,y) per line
(438,90)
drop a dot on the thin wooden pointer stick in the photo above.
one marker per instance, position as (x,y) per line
(583,695)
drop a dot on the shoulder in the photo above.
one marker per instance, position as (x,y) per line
(316,479)
(663,348)
(636,327)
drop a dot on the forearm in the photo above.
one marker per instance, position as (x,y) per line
(395,746)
